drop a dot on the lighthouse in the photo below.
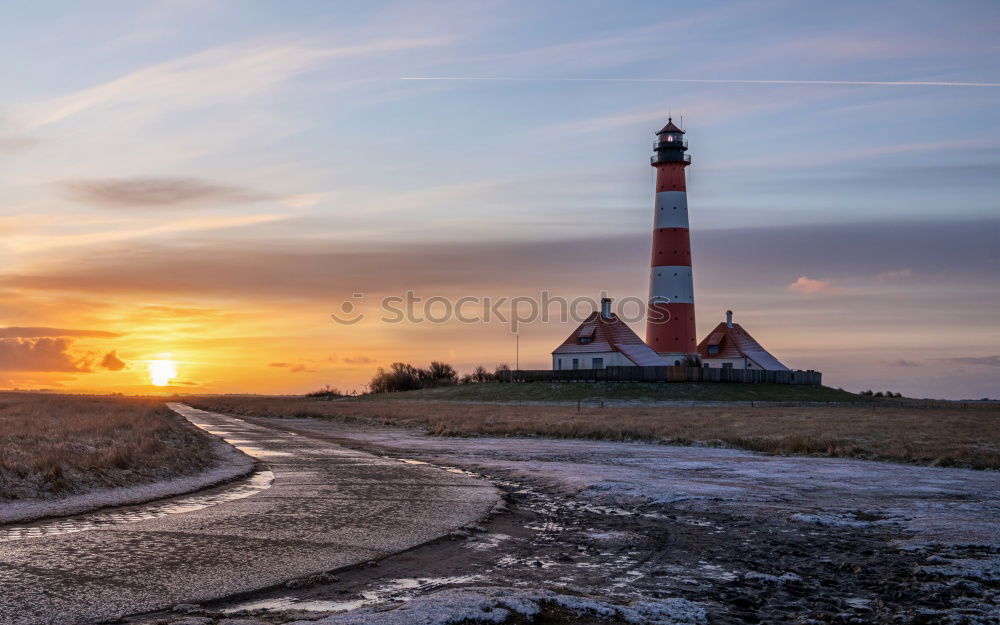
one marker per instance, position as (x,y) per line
(670,328)
(603,340)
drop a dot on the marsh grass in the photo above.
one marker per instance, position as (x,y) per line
(928,433)
(52,445)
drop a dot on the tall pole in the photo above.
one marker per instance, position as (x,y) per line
(517,354)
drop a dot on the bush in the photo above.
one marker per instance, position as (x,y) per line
(438,374)
(692,360)
(479,375)
(502,372)
(403,376)
(327,393)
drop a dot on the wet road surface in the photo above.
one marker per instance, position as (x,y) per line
(328,507)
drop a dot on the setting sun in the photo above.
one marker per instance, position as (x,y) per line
(162,371)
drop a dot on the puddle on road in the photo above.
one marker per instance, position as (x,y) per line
(257,482)
(399,589)
(449,469)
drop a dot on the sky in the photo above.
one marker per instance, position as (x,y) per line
(192,188)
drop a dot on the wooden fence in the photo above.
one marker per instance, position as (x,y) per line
(666,374)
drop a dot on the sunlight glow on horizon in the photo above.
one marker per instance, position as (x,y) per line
(161,372)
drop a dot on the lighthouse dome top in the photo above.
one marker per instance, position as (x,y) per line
(670,127)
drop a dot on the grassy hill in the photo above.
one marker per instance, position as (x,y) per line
(626,391)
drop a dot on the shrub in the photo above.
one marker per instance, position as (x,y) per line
(502,372)
(400,376)
(438,374)
(327,393)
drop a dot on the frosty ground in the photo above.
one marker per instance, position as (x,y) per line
(661,534)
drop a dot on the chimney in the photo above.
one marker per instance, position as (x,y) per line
(729,318)
(606,307)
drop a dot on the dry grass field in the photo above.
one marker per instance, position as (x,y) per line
(53,445)
(930,433)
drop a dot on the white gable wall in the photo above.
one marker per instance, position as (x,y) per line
(738,363)
(611,359)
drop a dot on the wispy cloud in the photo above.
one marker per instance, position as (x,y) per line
(292,368)
(894,275)
(900,362)
(987,361)
(227,73)
(39,332)
(358,360)
(712,81)
(131,192)
(30,243)
(810,286)
(11,144)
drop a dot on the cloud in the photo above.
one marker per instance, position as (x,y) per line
(11,144)
(709,81)
(359,360)
(223,74)
(39,332)
(900,363)
(128,192)
(893,276)
(299,368)
(988,361)
(725,260)
(810,286)
(112,362)
(44,354)
(36,243)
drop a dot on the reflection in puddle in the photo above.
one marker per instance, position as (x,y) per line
(438,466)
(259,481)
(400,589)
(257,452)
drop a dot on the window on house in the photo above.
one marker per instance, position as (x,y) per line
(727,365)
(559,365)
(713,350)
(596,363)
(586,339)
(576,363)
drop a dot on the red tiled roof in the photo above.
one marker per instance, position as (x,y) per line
(735,342)
(609,335)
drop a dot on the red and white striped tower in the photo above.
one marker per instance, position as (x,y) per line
(670,320)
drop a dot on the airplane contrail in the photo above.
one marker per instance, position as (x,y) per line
(890,83)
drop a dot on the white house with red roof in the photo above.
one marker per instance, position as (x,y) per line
(730,346)
(604,340)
